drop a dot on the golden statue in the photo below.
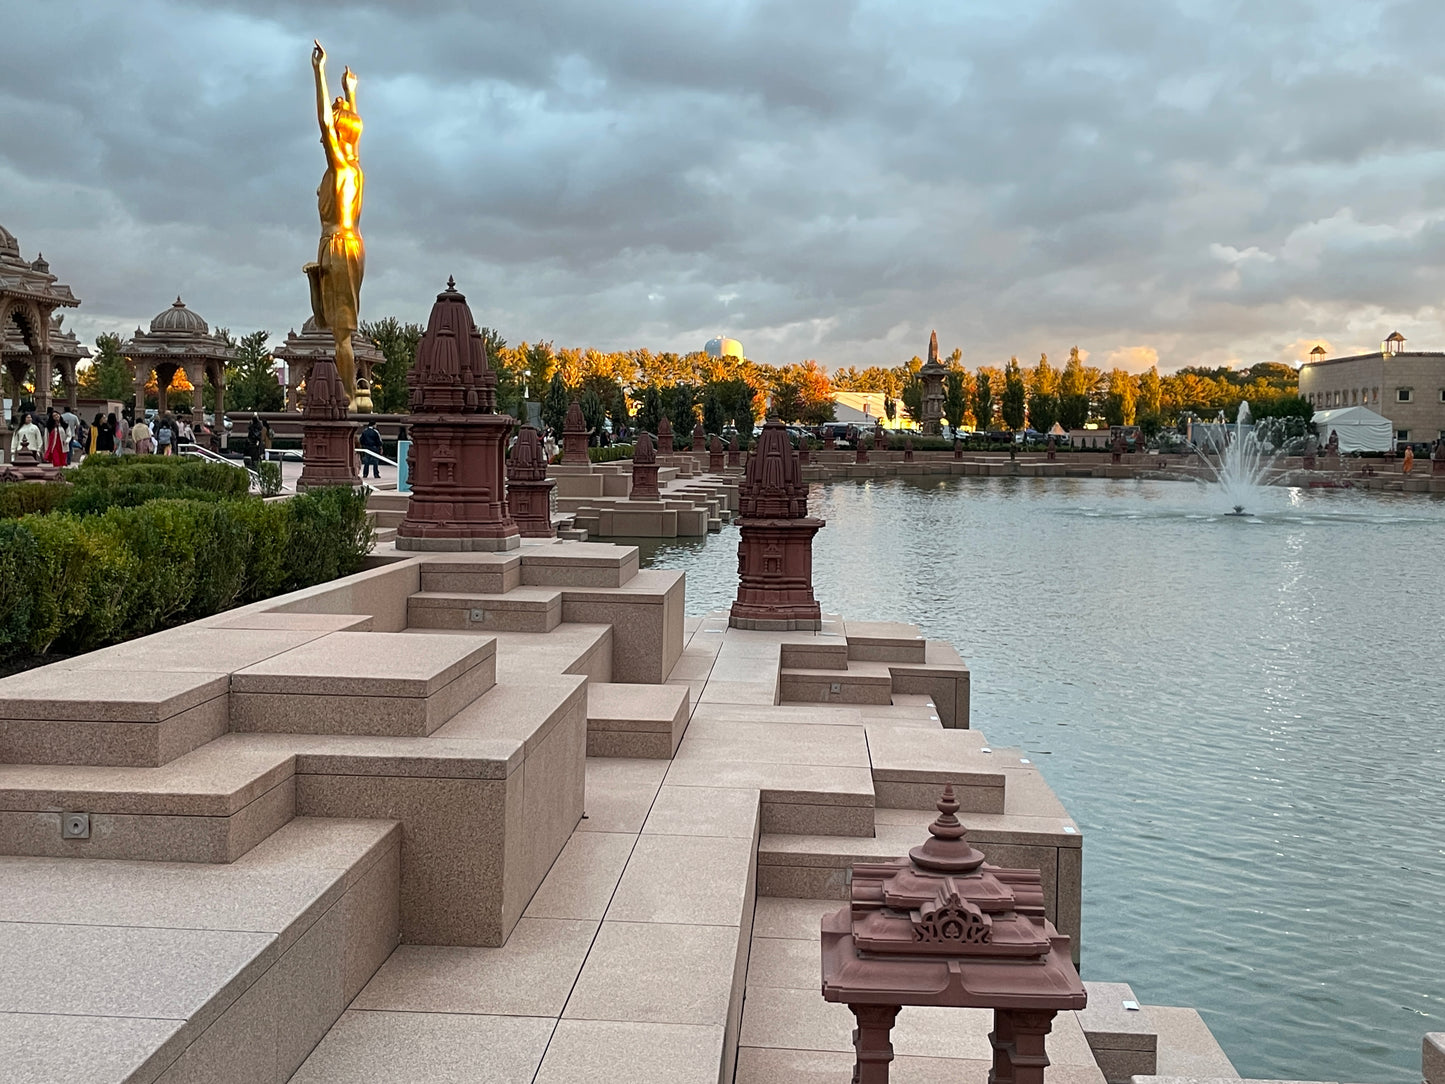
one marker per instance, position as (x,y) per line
(341,258)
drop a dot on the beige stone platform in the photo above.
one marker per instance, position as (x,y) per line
(561,917)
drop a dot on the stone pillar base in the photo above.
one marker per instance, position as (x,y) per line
(772,622)
(328,450)
(459,545)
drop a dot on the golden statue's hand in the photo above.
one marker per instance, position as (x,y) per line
(348,81)
(318,54)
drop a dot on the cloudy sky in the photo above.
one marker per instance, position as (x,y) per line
(1203,181)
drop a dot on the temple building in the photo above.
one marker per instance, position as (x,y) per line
(29,296)
(300,353)
(1406,386)
(179,339)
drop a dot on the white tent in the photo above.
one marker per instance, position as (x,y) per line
(1360,429)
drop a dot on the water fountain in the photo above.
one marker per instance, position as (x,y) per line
(1244,463)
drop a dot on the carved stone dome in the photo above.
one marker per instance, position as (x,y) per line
(180,318)
(8,245)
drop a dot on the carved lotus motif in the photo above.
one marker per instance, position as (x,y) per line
(950,917)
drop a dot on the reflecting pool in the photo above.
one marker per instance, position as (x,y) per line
(1244,714)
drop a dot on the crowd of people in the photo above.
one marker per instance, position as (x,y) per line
(62,438)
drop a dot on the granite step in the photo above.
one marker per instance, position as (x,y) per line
(815,653)
(884,641)
(861,683)
(209,973)
(636,720)
(521,609)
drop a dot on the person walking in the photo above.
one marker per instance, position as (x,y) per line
(165,435)
(72,435)
(57,440)
(144,443)
(370,441)
(27,435)
(254,434)
(105,438)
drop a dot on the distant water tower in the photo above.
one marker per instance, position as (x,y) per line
(721,347)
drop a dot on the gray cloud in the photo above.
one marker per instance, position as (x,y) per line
(1212,181)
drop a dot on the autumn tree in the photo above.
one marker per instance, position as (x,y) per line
(983,400)
(1012,404)
(955,398)
(1119,404)
(107,376)
(1073,411)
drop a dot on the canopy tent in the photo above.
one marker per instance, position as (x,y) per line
(1359,428)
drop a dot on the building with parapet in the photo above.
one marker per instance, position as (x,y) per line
(1406,386)
(29,296)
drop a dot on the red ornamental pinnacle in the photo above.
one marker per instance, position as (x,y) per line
(715,454)
(664,436)
(644,471)
(458,498)
(775,547)
(328,439)
(529,490)
(943,927)
(574,437)
(699,438)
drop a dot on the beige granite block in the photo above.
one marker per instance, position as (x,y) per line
(371,910)
(619,793)
(238,1048)
(657,972)
(203,650)
(531,975)
(116,744)
(757,1065)
(852,686)
(795,1019)
(646,617)
(802,881)
(811,784)
(306,987)
(587,1051)
(704,811)
(380,592)
(58,694)
(293,622)
(435,1048)
(1433,1057)
(516,710)
(453,847)
(1188,1048)
(44,1047)
(975,792)
(775,743)
(629,744)
(808,819)
(553,794)
(370,664)
(581,882)
(791,963)
(588,564)
(682,879)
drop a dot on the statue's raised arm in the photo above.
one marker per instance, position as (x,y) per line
(324,116)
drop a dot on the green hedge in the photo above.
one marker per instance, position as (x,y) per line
(72,583)
(610,454)
(105,481)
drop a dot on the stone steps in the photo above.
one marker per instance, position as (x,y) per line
(860,683)
(883,641)
(522,609)
(636,720)
(152,972)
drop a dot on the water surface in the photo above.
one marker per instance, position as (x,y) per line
(1242,713)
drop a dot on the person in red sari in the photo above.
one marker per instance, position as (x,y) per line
(57,440)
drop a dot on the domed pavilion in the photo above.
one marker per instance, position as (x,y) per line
(179,339)
(29,296)
(66,352)
(301,352)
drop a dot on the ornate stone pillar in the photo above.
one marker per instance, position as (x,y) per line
(574,437)
(644,471)
(1018,1039)
(715,455)
(908,449)
(699,438)
(664,436)
(44,375)
(328,440)
(529,490)
(142,374)
(734,452)
(861,454)
(457,463)
(223,438)
(775,546)
(873,1050)
(196,374)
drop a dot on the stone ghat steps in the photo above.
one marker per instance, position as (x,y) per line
(156,973)
(636,720)
(522,609)
(1131,1040)
(217,802)
(835,676)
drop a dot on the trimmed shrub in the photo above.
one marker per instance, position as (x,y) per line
(74,583)
(24,498)
(610,454)
(177,472)
(19,571)
(269,472)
